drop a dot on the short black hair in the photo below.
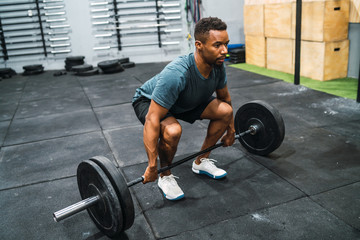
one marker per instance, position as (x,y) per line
(203,27)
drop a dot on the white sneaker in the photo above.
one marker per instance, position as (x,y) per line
(170,188)
(208,167)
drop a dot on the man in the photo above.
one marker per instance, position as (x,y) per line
(183,90)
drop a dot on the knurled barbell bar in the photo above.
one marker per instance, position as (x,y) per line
(105,192)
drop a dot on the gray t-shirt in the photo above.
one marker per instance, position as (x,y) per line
(180,87)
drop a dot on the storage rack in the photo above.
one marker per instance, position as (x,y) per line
(33,24)
(121,21)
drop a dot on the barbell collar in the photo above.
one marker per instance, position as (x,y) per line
(75,208)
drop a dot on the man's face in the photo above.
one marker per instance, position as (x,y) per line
(214,50)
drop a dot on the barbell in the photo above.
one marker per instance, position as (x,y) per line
(259,128)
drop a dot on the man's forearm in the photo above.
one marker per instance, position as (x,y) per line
(151,136)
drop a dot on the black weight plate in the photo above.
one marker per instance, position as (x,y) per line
(107,213)
(272,130)
(123,60)
(128,65)
(74,63)
(33,72)
(75,58)
(116,69)
(120,185)
(88,73)
(33,67)
(82,68)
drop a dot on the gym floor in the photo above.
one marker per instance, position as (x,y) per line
(307,189)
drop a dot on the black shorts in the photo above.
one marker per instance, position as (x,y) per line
(142,104)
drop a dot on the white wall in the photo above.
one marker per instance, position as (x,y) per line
(83,41)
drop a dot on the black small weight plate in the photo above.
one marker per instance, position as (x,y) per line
(88,73)
(120,185)
(272,129)
(123,60)
(107,213)
(104,65)
(128,65)
(116,69)
(33,67)
(82,68)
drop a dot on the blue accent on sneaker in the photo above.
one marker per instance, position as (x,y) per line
(210,175)
(178,198)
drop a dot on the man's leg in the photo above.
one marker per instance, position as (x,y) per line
(220,115)
(170,134)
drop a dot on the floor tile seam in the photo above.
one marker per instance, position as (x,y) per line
(112,105)
(334,188)
(13,116)
(250,156)
(53,114)
(36,183)
(122,128)
(254,85)
(333,214)
(53,138)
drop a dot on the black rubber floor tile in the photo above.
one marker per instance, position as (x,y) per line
(343,202)
(118,116)
(29,213)
(316,108)
(238,78)
(50,106)
(37,93)
(3,129)
(47,160)
(128,147)
(349,130)
(7,110)
(297,220)
(145,71)
(315,160)
(51,126)
(12,85)
(110,94)
(247,188)
(92,84)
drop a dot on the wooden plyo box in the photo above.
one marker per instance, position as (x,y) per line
(255,52)
(279,55)
(254,20)
(323,21)
(278,20)
(324,60)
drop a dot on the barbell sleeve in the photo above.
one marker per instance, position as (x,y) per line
(75,208)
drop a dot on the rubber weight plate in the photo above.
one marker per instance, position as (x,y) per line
(271,130)
(117,179)
(106,214)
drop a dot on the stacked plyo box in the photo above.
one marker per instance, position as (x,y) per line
(324,32)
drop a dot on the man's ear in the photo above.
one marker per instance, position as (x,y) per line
(198,45)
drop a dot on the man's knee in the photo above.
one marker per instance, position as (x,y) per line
(172,133)
(226,111)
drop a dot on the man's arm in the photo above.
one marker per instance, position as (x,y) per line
(151,136)
(224,95)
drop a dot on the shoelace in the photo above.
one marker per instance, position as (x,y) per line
(209,161)
(170,178)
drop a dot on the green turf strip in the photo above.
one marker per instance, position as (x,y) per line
(342,87)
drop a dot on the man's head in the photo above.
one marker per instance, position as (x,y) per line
(203,27)
(211,40)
